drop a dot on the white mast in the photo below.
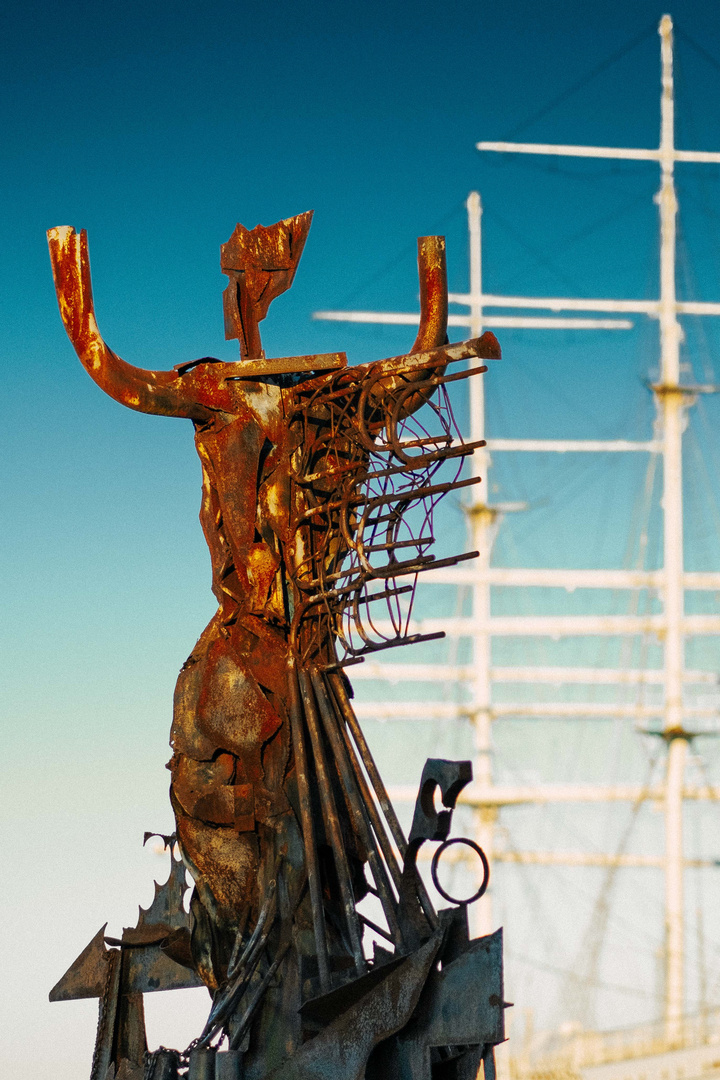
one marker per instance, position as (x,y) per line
(481,521)
(672,626)
(670,402)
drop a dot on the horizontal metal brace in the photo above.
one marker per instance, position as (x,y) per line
(557,303)
(517,795)
(570,579)
(557,676)
(620,152)
(448,710)
(494,322)
(576,446)
(561,625)
(592,858)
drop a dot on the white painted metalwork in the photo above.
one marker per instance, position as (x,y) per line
(492,322)
(559,626)
(557,676)
(577,446)
(670,627)
(498,795)
(449,710)
(571,579)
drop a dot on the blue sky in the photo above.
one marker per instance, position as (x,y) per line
(157,127)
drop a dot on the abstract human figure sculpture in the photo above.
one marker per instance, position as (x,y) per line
(310,470)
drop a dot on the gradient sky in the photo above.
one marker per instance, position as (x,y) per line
(157,127)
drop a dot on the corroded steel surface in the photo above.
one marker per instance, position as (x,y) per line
(320,484)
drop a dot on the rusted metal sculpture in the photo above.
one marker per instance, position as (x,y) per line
(319,486)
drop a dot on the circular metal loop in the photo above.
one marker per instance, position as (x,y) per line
(486,870)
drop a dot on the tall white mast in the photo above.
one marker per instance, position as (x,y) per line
(481,521)
(672,626)
(670,403)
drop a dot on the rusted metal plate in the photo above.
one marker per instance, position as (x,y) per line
(461,1009)
(87,976)
(320,489)
(344,1046)
(285,365)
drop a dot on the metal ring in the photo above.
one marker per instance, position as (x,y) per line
(486,870)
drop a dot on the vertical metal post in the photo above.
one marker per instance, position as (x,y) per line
(670,406)
(480,523)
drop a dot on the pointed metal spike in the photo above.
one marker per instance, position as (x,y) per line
(86,977)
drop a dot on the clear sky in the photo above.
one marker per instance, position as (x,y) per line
(157,127)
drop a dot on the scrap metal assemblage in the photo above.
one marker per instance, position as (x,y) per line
(320,484)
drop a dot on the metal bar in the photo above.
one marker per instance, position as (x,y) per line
(369,802)
(559,625)
(332,823)
(257,997)
(338,686)
(377,929)
(572,151)
(566,303)
(398,318)
(571,579)
(340,694)
(557,303)
(531,674)
(448,710)
(671,408)
(517,795)
(580,446)
(314,884)
(592,858)
(357,807)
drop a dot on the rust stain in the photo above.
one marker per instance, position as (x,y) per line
(320,488)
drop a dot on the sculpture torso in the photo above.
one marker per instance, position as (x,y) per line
(274,817)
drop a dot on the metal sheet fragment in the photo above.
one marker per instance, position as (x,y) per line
(320,486)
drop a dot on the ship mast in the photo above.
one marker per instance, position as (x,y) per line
(670,404)
(672,626)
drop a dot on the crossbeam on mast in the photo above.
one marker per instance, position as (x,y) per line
(493,322)
(554,675)
(570,579)
(558,625)
(576,446)
(449,710)
(499,795)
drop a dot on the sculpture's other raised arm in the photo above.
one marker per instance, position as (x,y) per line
(161,392)
(430,352)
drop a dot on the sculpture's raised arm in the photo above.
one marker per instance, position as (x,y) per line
(161,392)
(430,352)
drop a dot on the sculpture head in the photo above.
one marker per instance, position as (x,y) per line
(261,264)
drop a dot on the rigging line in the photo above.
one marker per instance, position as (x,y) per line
(541,259)
(594,938)
(710,443)
(544,925)
(685,267)
(392,263)
(698,48)
(564,495)
(696,499)
(694,442)
(564,973)
(621,924)
(607,219)
(582,82)
(580,171)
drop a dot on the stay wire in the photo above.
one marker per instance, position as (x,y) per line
(583,82)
